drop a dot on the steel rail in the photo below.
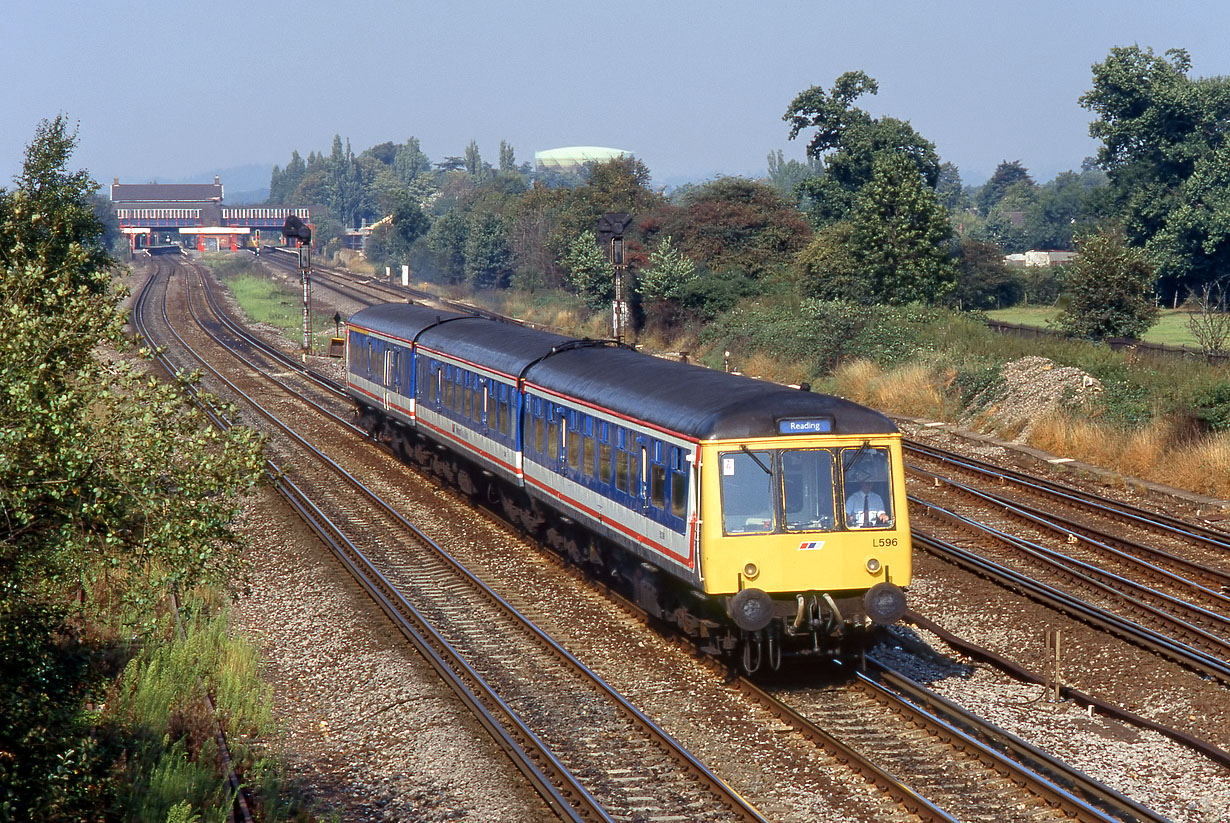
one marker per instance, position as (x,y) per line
(1136,514)
(665,740)
(1061,601)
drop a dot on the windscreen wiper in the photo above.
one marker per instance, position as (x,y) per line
(752,455)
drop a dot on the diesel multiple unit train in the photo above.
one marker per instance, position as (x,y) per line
(760,519)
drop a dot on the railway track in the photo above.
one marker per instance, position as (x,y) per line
(1039,792)
(521,677)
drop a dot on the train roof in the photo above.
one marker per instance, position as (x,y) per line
(691,400)
(404,320)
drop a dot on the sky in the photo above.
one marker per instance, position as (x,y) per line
(165,91)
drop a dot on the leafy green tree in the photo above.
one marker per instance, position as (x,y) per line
(488,260)
(589,271)
(949,190)
(1109,288)
(1005,177)
(733,221)
(848,140)
(984,280)
(447,241)
(112,492)
(829,268)
(786,175)
(409,161)
(900,235)
(1161,129)
(667,273)
(508,158)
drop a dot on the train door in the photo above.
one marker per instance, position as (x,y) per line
(388,383)
(640,471)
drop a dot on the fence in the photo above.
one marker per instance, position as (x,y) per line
(1116,343)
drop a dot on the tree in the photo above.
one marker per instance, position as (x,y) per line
(949,190)
(488,260)
(508,159)
(1109,288)
(447,241)
(112,492)
(828,267)
(1163,135)
(900,235)
(589,270)
(984,281)
(848,140)
(667,273)
(736,222)
(1005,177)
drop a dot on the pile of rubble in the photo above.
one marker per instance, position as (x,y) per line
(1031,388)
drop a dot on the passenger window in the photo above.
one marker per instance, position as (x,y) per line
(604,462)
(504,416)
(574,448)
(450,389)
(468,408)
(657,486)
(621,471)
(587,456)
(679,494)
(553,440)
(539,434)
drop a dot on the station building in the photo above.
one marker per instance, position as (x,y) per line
(193,215)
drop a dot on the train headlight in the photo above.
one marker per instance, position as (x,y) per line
(873,565)
(751,571)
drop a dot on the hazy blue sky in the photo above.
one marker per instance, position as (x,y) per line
(165,90)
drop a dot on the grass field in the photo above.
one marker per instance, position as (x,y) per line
(1171,328)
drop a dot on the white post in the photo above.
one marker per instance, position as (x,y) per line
(405,275)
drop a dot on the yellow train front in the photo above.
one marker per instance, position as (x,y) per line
(804,536)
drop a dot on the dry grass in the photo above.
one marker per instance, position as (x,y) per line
(911,389)
(1159,452)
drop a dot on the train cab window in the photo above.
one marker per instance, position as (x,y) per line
(867,488)
(747,491)
(807,489)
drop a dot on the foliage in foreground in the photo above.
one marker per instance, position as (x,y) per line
(112,491)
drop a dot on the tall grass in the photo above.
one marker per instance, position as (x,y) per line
(172,755)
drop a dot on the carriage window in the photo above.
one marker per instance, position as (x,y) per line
(503,415)
(587,456)
(539,434)
(468,408)
(604,462)
(553,440)
(679,494)
(574,447)
(747,491)
(450,389)
(807,489)
(657,486)
(621,467)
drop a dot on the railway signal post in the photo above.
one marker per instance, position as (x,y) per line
(611,228)
(296,229)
